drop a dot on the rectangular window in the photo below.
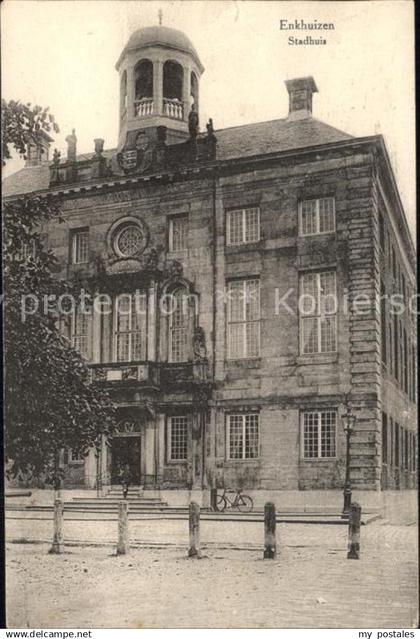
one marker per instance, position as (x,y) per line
(391,349)
(383,324)
(179,327)
(381,232)
(130,327)
(396,349)
(80,246)
(397,446)
(384,438)
(319,434)
(80,323)
(405,360)
(74,457)
(178,438)
(243,319)
(393,263)
(406,454)
(242,226)
(317,216)
(178,233)
(318,308)
(243,436)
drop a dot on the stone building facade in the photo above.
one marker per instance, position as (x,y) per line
(238,276)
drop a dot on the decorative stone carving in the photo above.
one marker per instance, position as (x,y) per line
(137,155)
(127,426)
(199,343)
(129,373)
(193,123)
(173,269)
(124,265)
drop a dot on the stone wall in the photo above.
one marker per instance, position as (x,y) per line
(281,382)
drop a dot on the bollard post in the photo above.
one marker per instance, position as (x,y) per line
(213,499)
(122,546)
(354,531)
(194,527)
(270,545)
(57,545)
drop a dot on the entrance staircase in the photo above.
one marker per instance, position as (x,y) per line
(138,502)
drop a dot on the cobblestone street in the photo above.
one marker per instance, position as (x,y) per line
(310,584)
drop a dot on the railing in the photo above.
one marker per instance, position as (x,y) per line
(151,373)
(182,373)
(173,108)
(143,107)
(146,373)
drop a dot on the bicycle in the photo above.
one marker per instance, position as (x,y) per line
(242,502)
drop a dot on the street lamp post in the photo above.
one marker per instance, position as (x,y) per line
(348,429)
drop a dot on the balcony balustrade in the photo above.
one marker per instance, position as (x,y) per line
(173,108)
(145,373)
(160,375)
(143,107)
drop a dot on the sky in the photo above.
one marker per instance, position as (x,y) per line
(62,54)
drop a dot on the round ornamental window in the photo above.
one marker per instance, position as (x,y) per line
(129,241)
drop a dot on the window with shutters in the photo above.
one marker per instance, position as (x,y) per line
(80,246)
(130,321)
(243,436)
(242,226)
(384,438)
(243,316)
(178,438)
(317,216)
(319,434)
(80,334)
(178,233)
(318,312)
(179,326)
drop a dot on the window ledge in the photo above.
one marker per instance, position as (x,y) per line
(246,246)
(246,362)
(318,460)
(255,462)
(317,358)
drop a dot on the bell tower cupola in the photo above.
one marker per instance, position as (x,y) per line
(159,83)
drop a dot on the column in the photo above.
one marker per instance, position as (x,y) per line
(158,87)
(149,453)
(160,426)
(151,323)
(90,469)
(186,92)
(131,93)
(196,449)
(96,334)
(106,479)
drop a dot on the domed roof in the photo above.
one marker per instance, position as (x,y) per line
(162,37)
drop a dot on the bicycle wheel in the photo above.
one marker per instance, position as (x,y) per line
(245,504)
(220,503)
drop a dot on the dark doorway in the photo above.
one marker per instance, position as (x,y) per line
(126,450)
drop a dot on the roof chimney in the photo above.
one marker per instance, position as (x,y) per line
(300,97)
(71,146)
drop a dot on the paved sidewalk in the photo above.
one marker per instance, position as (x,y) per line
(310,584)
